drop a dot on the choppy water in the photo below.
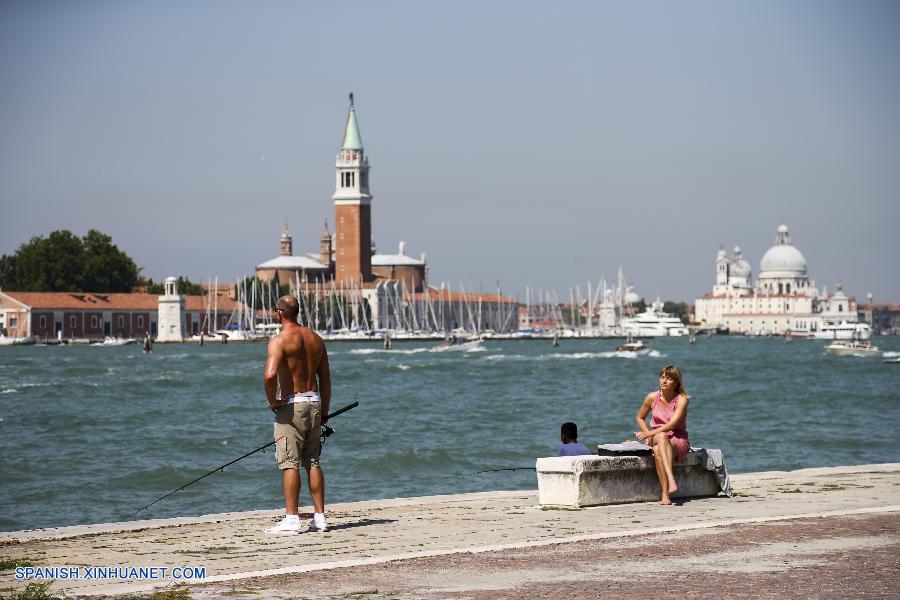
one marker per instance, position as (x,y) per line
(90,434)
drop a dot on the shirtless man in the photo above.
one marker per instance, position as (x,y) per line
(297,358)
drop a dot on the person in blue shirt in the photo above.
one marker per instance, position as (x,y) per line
(568,435)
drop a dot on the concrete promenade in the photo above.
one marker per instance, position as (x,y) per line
(828,532)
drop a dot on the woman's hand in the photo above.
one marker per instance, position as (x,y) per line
(641,436)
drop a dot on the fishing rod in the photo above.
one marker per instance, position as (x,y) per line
(505,469)
(326,431)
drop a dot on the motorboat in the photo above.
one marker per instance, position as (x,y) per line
(844,331)
(458,343)
(653,322)
(858,348)
(346,334)
(207,337)
(241,335)
(638,347)
(111,341)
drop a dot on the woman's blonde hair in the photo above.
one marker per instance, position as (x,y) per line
(673,372)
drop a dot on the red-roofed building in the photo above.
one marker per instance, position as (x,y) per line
(49,315)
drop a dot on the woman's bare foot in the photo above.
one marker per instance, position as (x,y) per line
(673,487)
(665,501)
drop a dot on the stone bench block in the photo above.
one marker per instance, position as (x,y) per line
(594,480)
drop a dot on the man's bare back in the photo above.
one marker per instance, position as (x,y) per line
(298,358)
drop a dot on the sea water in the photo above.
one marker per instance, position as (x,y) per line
(91,434)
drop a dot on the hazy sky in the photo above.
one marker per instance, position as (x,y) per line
(539,144)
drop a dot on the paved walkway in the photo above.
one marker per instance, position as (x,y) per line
(778,531)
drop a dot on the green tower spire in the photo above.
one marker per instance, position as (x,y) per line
(352,139)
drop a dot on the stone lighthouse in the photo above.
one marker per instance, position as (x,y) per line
(353,209)
(170,314)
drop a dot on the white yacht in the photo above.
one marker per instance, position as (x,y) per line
(653,322)
(844,331)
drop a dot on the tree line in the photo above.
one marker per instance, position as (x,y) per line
(64,262)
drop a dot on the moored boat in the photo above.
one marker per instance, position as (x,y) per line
(18,341)
(653,322)
(844,331)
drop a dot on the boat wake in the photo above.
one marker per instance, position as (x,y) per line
(383,351)
(458,346)
(579,355)
(891,354)
(572,356)
(508,357)
(179,356)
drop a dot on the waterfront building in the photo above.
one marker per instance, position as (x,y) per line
(94,316)
(783,298)
(400,267)
(884,318)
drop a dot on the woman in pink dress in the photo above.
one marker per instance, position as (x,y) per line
(667,408)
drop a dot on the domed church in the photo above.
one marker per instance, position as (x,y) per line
(347,257)
(783,299)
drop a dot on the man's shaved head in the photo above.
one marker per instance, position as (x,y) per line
(288,306)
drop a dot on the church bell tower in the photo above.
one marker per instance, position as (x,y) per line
(352,208)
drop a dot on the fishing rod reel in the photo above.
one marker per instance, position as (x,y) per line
(326,431)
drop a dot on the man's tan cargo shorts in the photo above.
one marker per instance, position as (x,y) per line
(298,435)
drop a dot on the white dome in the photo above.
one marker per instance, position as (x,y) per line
(632,297)
(740,268)
(782,259)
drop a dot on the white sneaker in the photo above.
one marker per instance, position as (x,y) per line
(318,524)
(290,525)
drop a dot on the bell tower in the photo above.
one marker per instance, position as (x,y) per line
(352,208)
(721,286)
(325,246)
(286,244)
